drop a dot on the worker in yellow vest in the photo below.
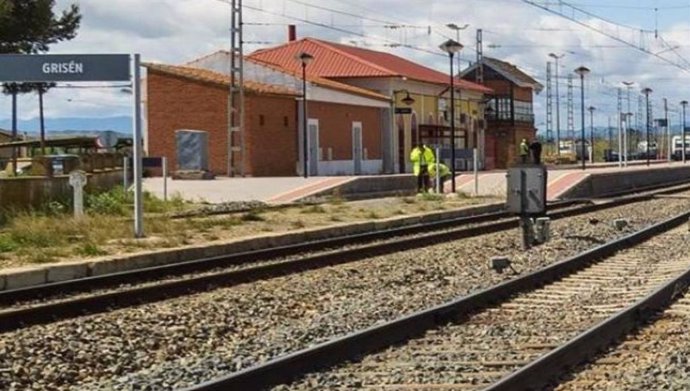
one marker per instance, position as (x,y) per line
(421,157)
(524,151)
(443,173)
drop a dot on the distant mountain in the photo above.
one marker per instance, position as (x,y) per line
(72,124)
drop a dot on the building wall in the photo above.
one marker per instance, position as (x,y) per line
(176,103)
(272,135)
(335,128)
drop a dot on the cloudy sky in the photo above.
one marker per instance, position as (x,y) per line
(175,31)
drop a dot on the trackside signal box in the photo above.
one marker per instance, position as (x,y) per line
(526,185)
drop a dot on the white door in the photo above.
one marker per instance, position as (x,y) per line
(313,146)
(357,146)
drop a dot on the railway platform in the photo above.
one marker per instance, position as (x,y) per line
(564,183)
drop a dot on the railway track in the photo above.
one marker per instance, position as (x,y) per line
(654,357)
(546,320)
(183,341)
(67,299)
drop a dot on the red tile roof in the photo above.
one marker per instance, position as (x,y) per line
(323,81)
(343,61)
(207,76)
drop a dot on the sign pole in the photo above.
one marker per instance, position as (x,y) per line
(165,178)
(125,169)
(136,143)
(439,185)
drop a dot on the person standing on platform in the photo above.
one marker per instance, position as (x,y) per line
(535,148)
(524,151)
(421,157)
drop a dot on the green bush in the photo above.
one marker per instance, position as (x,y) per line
(7,244)
(113,202)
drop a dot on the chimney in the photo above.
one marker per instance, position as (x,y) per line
(292,32)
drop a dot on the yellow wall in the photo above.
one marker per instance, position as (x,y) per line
(428,104)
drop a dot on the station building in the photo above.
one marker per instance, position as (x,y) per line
(345,122)
(509,113)
(426,119)
(366,110)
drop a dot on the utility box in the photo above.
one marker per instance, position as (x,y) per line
(526,186)
(192,150)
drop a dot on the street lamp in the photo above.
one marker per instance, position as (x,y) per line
(646,92)
(451,47)
(582,71)
(591,110)
(558,106)
(457,29)
(684,104)
(305,58)
(407,100)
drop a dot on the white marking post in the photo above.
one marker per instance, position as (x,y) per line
(475,160)
(77,179)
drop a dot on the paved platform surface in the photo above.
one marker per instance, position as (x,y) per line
(493,183)
(224,189)
(288,189)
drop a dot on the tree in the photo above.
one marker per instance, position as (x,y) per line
(30,27)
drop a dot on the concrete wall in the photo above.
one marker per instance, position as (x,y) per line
(374,186)
(27,192)
(598,185)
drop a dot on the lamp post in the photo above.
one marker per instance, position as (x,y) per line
(451,47)
(305,58)
(457,29)
(582,71)
(591,110)
(558,106)
(628,85)
(409,101)
(646,92)
(684,104)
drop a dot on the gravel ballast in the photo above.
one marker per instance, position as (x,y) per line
(184,341)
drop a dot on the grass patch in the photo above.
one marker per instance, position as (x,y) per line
(409,200)
(7,244)
(89,250)
(432,197)
(253,215)
(373,215)
(314,209)
(298,224)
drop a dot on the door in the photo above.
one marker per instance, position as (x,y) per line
(402,156)
(357,146)
(313,141)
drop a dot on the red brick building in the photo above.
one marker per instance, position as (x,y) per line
(509,114)
(344,122)
(397,77)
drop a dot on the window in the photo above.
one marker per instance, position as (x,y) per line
(502,109)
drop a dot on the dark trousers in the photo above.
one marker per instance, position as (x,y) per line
(423,179)
(523,159)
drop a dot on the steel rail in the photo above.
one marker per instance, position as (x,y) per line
(548,368)
(284,369)
(12,319)
(8,297)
